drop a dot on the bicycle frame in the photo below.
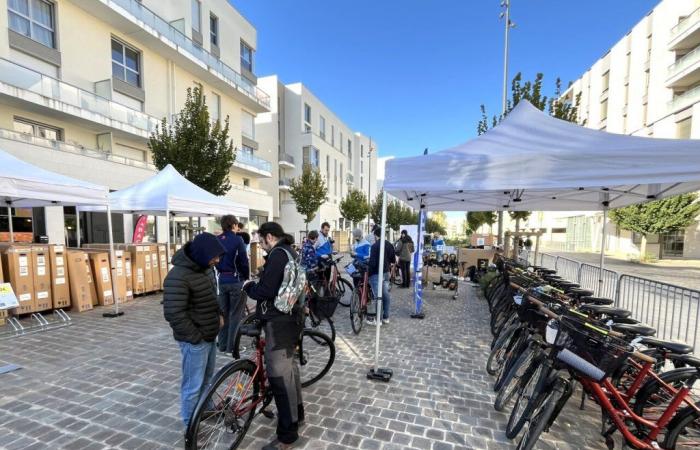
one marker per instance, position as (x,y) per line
(259,375)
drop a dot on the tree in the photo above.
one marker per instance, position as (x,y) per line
(518,216)
(376,208)
(476,219)
(309,192)
(433,226)
(354,206)
(660,216)
(441,218)
(201,151)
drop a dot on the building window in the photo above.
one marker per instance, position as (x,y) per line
(349,147)
(315,158)
(362,151)
(246,57)
(341,141)
(37,129)
(246,182)
(215,107)
(683,128)
(247,125)
(34,19)
(606,81)
(196,15)
(362,166)
(342,178)
(333,135)
(349,157)
(307,115)
(672,243)
(322,127)
(604,110)
(328,168)
(335,177)
(126,63)
(214,29)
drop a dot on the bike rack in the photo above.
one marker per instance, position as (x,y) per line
(15,328)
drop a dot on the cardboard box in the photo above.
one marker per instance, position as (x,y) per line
(99,262)
(138,268)
(473,256)
(477,240)
(60,290)
(19,271)
(434,274)
(155,267)
(163,263)
(41,260)
(129,277)
(147,271)
(80,280)
(3,317)
(119,281)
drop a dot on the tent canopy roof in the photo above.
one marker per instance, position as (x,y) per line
(532,161)
(26,185)
(168,191)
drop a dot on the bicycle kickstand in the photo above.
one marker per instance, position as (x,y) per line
(583,400)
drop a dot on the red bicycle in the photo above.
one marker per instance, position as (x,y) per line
(361,297)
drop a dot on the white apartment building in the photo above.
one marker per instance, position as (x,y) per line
(303,130)
(83,84)
(647,84)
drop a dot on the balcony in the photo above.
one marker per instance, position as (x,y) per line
(684,72)
(134,19)
(52,95)
(252,164)
(686,34)
(688,98)
(285,184)
(350,179)
(286,160)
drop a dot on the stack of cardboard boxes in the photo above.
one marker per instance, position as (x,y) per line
(478,257)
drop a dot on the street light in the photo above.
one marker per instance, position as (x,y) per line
(369,183)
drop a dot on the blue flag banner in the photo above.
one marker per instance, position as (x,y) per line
(418,264)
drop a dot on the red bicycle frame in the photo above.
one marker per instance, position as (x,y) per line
(241,407)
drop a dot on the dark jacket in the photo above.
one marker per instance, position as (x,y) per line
(189,299)
(389,257)
(405,248)
(233,266)
(265,290)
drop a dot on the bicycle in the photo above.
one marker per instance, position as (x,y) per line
(239,391)
(361,297)
(336,285)
(395,276)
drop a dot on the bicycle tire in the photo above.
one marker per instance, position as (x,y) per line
(498,351)
(230,373)
(243,346)
(345,290)
(652,396)
(325,325)
(529,390)
(357,314)
(309,350)
(515,348)
(543,416)
(679,428)
(516,377)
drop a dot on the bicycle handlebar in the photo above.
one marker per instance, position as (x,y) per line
(643,357)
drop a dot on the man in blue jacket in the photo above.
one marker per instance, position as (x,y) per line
(233,271)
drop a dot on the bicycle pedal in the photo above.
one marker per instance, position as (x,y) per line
(268,414)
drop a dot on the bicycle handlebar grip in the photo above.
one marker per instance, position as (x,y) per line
(549,313)
(570,358)
(643,357)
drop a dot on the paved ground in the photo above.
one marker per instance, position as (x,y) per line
(113,383)
(679,272)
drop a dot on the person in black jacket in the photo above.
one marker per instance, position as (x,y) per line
(191,308)
(389,258)
(282,333)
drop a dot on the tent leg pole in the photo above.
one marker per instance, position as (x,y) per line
(77,226)
(167,250)
(9,221)
(112,263)
(418,268)
(602,252)
(376,373)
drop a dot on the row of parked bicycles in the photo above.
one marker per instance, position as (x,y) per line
(550,336)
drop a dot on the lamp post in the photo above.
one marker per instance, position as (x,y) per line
(369,183)
(505,4)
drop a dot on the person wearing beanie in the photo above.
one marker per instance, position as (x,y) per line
(360,246)
(191,308)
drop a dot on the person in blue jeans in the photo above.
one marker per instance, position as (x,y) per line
(374,267)
(191,308)
(233,271)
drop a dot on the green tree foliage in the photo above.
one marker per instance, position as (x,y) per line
(518,216)
(201,151)
(440,217)
(532,92)
(433,226)
(397,213)
(476,219)
(354,206)
(660,216)
(309,192)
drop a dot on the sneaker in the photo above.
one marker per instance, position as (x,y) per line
(277,445)
(371,322)
(385,321)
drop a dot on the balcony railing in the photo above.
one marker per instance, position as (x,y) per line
(71,148)
(686,61)
(151,20)
(51,88)
(242,187)
(687,98)
(253,161)
(285,157)
(686,23)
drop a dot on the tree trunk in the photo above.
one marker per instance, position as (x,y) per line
(517,225)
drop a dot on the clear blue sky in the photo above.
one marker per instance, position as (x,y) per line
(412,73)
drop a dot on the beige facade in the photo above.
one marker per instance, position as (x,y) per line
(305,131)
(647,84)
(83,84)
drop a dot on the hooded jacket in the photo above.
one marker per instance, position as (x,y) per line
(189,292)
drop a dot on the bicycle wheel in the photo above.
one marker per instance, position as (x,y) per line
(529,390)
(653,398)
(244,346)
(684,431)
(513,351)
(224,413)
(325,325)
(357,314)
(517,376)
(499,349)
(345,290)
(543,416)
(316,354)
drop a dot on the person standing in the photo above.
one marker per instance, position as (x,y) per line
(438,245)
(405,249)
(233,271)
(309,259)
(282,333)
(191,308)
(374,267)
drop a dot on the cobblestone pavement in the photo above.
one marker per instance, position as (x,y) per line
(113,383)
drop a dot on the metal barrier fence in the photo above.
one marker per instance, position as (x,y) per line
(673,310)
(548,261)
(588,277)
(567,268)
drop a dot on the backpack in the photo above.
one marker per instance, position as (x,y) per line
(293,287)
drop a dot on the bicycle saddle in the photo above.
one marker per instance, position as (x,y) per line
(671,346)
(634,330)
(566,285)
(687,360)
(627,320)
(597,300)
(545,271)
(580,292)
(609,311)
(252,330)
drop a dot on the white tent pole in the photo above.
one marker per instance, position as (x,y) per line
(9,221)
(167,228)
(112,260)
(602,252)
(77,226)
(380,282)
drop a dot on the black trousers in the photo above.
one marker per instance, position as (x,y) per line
(233,308)
(281,338)
(405,273)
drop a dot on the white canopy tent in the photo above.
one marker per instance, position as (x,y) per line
(170,194)
(532,161)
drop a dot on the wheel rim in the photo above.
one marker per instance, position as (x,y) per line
(526,395)
(314,358)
